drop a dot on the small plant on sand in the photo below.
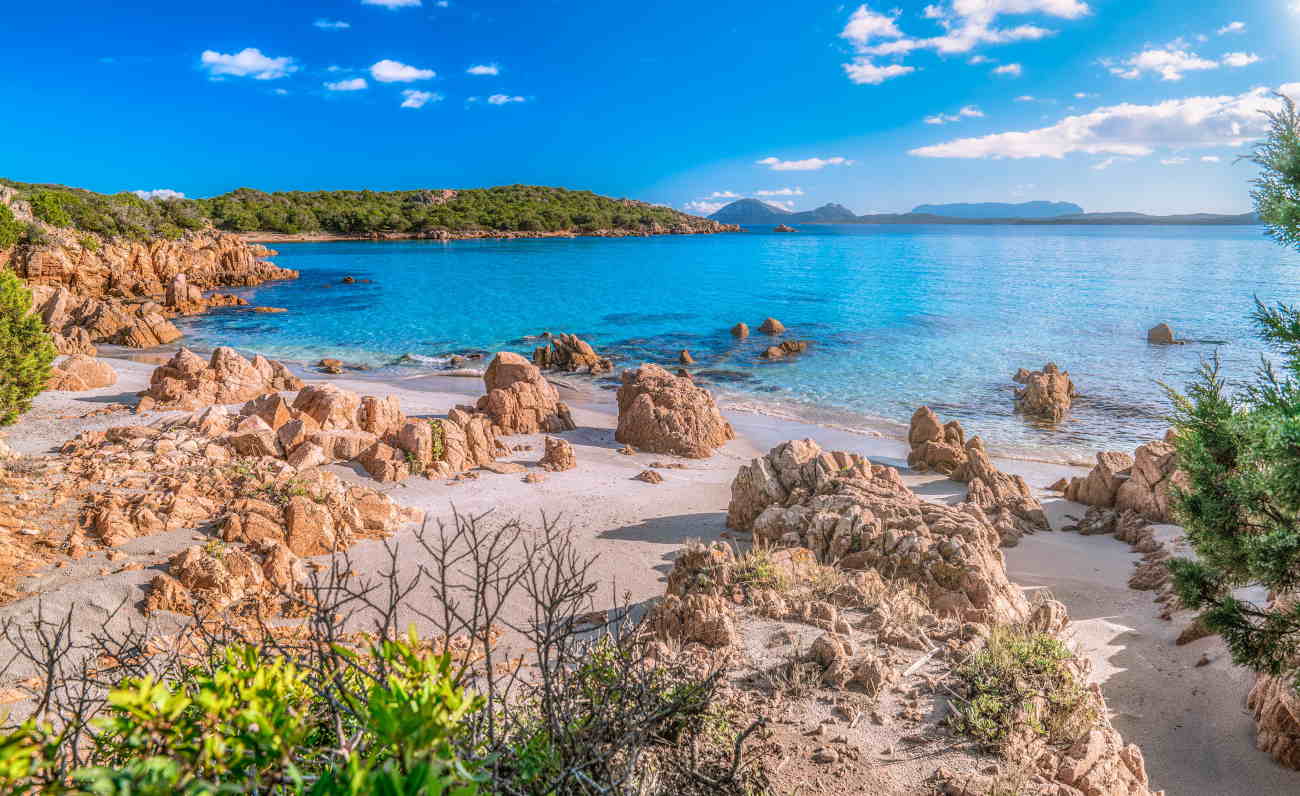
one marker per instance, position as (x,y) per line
(1021,679)
(756,570)
(26,351)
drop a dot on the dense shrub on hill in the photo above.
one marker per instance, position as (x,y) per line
(26,351)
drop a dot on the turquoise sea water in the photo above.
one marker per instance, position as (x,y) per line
(897,316)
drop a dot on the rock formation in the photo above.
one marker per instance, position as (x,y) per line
(934,445)
(570,353)
(662,413)
(771,326)
(860,516)
(187,382)
(1142,483)
(520,400)
(785,349)
(558,456)
(79,372)
(1276,706)
(740,330)
(77,322)
(1161,334)
(1047,394)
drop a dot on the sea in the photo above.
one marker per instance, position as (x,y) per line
(895,316)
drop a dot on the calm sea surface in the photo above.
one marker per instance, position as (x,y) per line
(897,316)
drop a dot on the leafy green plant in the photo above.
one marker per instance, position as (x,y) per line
(26,351)
(439,440)
(11,230)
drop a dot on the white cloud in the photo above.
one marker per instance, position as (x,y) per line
(784,205)
(968,112)
(504,99)
(442,4)
(418,99)
(391,4)
(1239,59)
(1014,70)
(976,60)
(332,24)
(1129,129)
(808,164)
(1105,164)
(1170,62)
(249,62)
(965,24)
(780,192)
(1232,27)
(1083,95)
(159,193)
(355,84)
(1210,159)
(703,207)
(280,91)
(1176,160)
(862,71)
(484,69)
(1026,98)
(724,195)
(387,71)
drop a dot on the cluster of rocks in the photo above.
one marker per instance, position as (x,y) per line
(1142,483)
(80,372)
(662,413)
(784,349)
(570,353)
(520,400)
(186,381)
(1047,394)
(183,298)
(1006,500)
(77,322)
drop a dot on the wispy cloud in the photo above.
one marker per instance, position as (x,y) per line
(1172,61)
(412,98)
(807,164)
(1130,129)
(965,25)
(1232,27)
(1176,160)
(1010,70)
(387,71)
(968,112)
(391,4)
(1102,165)
(249,62)
(1239,59)
(355,84)
(484,69)
(780,192)
(504,99)
(159,193)
(704,207)
(1026,98)
(332,24)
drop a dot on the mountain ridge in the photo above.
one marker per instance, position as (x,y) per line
(753,212)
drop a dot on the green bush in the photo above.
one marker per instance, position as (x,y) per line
(11,230)
(26,351)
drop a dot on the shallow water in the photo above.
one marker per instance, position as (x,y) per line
(897,316)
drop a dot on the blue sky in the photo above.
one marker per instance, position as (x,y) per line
(1114,104)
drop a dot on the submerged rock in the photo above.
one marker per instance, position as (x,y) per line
(771,326)
(570,353)
(1161,334)
(1047,394)
(740,330)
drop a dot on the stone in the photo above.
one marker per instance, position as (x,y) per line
(330,406)
(1102,484)
(1161,334)
(1006,500)
(416,438)
(519,400)
(1047,395)
(1153,477)
(309,527)
(332,366)
(384,462)
(503,468)
(648,476)
(558,456)
(1276,707)
(80,372)
(76,341)
(187,382)
(571,353)
(685,357)
(697,618)
(771,326)
(785,349)
(935,445)
(662,413)
(740,330)
(381,416)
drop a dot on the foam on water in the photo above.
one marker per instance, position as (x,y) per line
(897,316)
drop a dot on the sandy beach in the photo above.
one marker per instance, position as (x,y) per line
(1191,721)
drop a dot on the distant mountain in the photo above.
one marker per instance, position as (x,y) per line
(752,211)
(1001,210)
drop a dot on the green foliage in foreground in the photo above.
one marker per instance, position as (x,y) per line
(510,208)
(255,726)
(1241,455)
(1022,680)
(26,351)
(11,230)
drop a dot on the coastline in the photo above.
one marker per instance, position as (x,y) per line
(635,532)
(447,235)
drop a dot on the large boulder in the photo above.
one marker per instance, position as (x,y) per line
(573,354)
(187,382)
(1005,499)
(935,445)
(662,413)
(861,516)
(79,372)
(1161,334)
(78,321)
(1047,394)
(1150,485)
(558,456)
(520,400)
(1102,484)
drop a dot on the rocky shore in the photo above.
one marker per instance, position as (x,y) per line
(697,226)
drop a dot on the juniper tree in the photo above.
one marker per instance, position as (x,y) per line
(1241,456)
(25,349)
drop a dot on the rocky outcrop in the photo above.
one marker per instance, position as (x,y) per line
(1047,394)
(935,445)
(188,382)
(861,516)
(520,400)
(1142,483)
(662,413)
(1276,706)
(771,326)
(77,373)
(558,456)
(1162,334)
(740,330)
(138,269)
(78,322)
(1006,500)
(785,349)
(570,353)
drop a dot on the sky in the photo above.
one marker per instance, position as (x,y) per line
(1112,104)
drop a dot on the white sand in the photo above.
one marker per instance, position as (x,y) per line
(1191,722)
